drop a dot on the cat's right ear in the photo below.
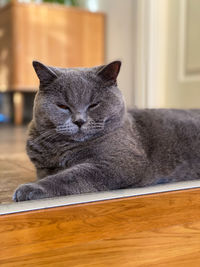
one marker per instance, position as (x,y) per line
(110,72)
(44,73)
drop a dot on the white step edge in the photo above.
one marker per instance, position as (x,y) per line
(93,197)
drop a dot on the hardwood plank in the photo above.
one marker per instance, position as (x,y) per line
(153,230)
(15,166)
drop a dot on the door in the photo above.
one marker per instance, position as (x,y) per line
(171,54)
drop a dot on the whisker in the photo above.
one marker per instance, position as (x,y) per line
(96,125)
(43,137)
(61,127)
(51,137)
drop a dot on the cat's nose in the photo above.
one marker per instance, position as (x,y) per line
(79,119)
(79,122)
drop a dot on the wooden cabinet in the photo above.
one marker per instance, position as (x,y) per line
(54,34)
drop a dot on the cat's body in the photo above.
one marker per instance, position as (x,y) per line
(121,150)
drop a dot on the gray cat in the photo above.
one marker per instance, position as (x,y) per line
(82,139)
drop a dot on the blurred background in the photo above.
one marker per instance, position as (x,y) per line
(157,40)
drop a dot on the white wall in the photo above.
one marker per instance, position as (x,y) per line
(120,39)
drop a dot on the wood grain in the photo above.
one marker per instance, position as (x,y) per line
(15,166)
(54,34)
(154,230)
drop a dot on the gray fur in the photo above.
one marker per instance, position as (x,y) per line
(115,148)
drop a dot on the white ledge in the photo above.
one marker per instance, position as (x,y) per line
(93,197)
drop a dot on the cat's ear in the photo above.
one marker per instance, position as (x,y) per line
(44,73)
(110,72)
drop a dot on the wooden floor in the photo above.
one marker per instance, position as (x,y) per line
(153,230)
(15,167)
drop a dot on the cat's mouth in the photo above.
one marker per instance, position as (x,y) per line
(79,134)
(86,131)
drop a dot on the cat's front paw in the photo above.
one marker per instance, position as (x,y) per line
(29,191)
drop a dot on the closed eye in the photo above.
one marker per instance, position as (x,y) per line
(63,107)
(93,106)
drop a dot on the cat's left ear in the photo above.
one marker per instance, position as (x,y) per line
(45,74)
(110,71)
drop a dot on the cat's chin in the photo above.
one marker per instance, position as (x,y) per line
(77,137)
(81,137)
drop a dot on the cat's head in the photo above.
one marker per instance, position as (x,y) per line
(78,103)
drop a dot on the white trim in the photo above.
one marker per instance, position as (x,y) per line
(157,52)
(152,52)
(151,55)
(183,76)
(141,38)
(93,197)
